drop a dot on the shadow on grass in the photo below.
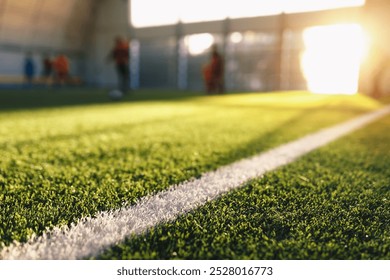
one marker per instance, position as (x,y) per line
(36,98)
(285,132)
(15,99)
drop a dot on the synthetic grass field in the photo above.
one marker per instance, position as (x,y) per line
(332,204)
(68,154)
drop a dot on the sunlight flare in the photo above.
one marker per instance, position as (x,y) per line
(332,59)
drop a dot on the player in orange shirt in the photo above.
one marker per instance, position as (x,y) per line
(61,68)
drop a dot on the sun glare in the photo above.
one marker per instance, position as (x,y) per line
(331,61)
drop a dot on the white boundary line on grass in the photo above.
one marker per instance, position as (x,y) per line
(91,235)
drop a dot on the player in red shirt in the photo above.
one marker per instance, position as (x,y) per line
(213,73)
(216,70)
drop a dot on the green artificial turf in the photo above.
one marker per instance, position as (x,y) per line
(333,203)
(66,154)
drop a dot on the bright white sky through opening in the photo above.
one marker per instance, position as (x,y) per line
(146,13)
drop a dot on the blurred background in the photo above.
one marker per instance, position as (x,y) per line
(325,46)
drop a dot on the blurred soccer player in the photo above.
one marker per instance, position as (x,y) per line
(29,69)
(216,70)
(61,68)
(47,69)
(120,54)
(213,73)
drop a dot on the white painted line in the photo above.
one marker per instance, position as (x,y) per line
(91,235)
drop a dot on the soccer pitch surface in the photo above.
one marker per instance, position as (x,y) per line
(66,155)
